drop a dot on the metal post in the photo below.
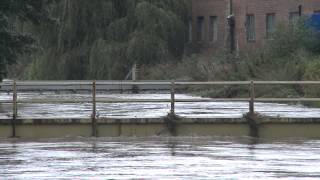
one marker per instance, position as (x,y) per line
(230,7)
(172,110)
(252,96)
(134,71)
(231,22)
(15,108)
(300,10)
(93,116)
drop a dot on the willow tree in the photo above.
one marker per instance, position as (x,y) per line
(150,31)
(101,39)
(12,42)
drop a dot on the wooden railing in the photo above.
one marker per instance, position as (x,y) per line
(173,86)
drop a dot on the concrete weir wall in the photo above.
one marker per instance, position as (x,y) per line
(56,128)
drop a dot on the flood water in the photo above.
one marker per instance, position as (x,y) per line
(144,110)
(160,158)
(155,157)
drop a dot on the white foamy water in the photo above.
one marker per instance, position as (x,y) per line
(146,110)
(159,158)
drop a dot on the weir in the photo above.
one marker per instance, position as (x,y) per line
(58,128)
(251,124)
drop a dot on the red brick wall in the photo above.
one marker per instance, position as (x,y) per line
(207,8)
(260,8)
(241,8)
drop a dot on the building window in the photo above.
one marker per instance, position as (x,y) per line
(213,29)
(294,17)
(270,25)
(250,27)
(190,31)
(200,28)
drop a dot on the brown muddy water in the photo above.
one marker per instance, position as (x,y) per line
(160,158)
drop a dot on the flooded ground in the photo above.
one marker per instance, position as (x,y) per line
(160,158)
(145,110)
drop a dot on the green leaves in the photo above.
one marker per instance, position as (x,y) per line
(107,60)
(12,42)
(290,39)
(146,49)
(102,39)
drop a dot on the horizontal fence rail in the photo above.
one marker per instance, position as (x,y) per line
(56,101)
(7,86)
(100,85)
(40,101)
(93,86)
(68,83)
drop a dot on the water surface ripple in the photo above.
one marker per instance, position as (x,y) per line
(159,158)
(144,110)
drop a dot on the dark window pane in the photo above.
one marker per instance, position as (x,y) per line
(213,29)
(190,31)
(200,28)
(270,25)
(250,27)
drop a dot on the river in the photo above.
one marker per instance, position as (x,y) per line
(156,157)
(160,158)
(145,110)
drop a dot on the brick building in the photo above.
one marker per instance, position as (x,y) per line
(241,24)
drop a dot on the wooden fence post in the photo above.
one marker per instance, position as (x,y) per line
(15,109)
(252,97)
(93,115)
(172,110)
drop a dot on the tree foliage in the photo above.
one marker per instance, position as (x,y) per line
(12,42)
(101,39)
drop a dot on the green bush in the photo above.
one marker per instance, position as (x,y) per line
(312,73)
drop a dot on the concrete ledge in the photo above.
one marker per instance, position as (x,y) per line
(268,127)
(267,120)
(264,120)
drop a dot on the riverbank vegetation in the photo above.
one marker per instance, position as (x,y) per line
(102,39)
(15,43)
(292,55)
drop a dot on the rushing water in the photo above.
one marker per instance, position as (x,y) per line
(160,158)
(145,110)
(156,157)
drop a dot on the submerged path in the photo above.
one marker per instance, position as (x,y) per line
(145,110)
